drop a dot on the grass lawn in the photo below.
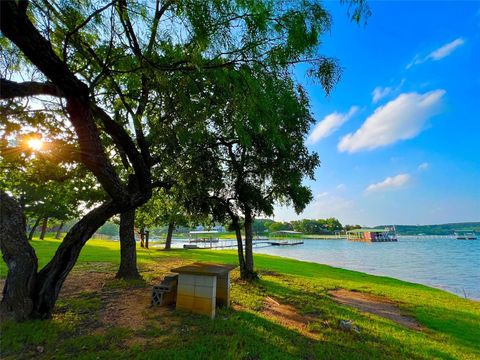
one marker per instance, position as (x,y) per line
(98,317)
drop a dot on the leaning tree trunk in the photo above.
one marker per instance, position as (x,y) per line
(50,279)
(128,253)
(17,303)
(44,228)
(34,227)
(249,273)
(168,242)
(59,230)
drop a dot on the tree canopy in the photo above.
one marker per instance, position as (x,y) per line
(114,74)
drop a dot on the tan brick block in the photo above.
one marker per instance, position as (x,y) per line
(185,302)
(204,292)
(186,279)
(186,289)
(204,306)
(206,280)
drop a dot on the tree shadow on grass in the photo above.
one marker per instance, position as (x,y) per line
(240,335)
(463,326)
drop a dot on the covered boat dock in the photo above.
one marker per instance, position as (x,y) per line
(372,235)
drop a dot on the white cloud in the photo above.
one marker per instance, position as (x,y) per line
(380,92)
(446,49)
(330,124)
(400,119)
(423,166)
(391,182)
(439,53)
(341,187)
(328,206)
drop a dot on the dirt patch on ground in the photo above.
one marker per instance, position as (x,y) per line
(125,308)
(269,273)
(154,272)
(79,282)
(84,281)
(288,316)
(131,308)
(375,305)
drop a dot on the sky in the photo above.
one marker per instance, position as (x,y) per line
(399,137)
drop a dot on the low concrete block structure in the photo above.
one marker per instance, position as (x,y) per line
(166,292)
(202,286)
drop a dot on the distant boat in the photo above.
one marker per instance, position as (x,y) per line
(465,235)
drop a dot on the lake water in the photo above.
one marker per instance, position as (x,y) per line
(445,263)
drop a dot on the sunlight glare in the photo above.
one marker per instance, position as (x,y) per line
(35,144)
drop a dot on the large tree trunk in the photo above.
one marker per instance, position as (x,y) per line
(17,303)
(59,230)
(44,228)
(128,253)
(34,227)
(249,273)
(168,242)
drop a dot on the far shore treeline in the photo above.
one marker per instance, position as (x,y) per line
(329,226)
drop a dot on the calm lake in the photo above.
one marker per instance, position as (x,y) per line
(445,263)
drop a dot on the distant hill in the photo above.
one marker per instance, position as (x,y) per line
(441,229)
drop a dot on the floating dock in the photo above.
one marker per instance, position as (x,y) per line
(285,243)
(255,243)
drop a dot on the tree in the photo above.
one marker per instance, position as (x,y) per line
(91,72)
(333,225)
(255,149)
(19,284)
(279,226)
(128,257)
(164,208)
(351,227)
(259,226)
(50,184)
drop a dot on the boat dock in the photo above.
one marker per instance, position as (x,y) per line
(372,235)
(263,243)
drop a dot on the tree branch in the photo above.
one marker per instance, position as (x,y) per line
(18,28)
(11,89)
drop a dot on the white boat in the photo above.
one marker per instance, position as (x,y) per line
(465,235)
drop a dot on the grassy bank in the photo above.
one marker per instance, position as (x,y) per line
(95,320)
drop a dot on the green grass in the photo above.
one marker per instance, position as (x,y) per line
(451,324)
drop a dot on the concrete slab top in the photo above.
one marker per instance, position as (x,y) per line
(204,269)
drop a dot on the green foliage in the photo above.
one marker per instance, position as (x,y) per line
(109,228)
(164,207)
(278,226)
(48,181)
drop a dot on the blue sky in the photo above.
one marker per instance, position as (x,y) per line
(399,137)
